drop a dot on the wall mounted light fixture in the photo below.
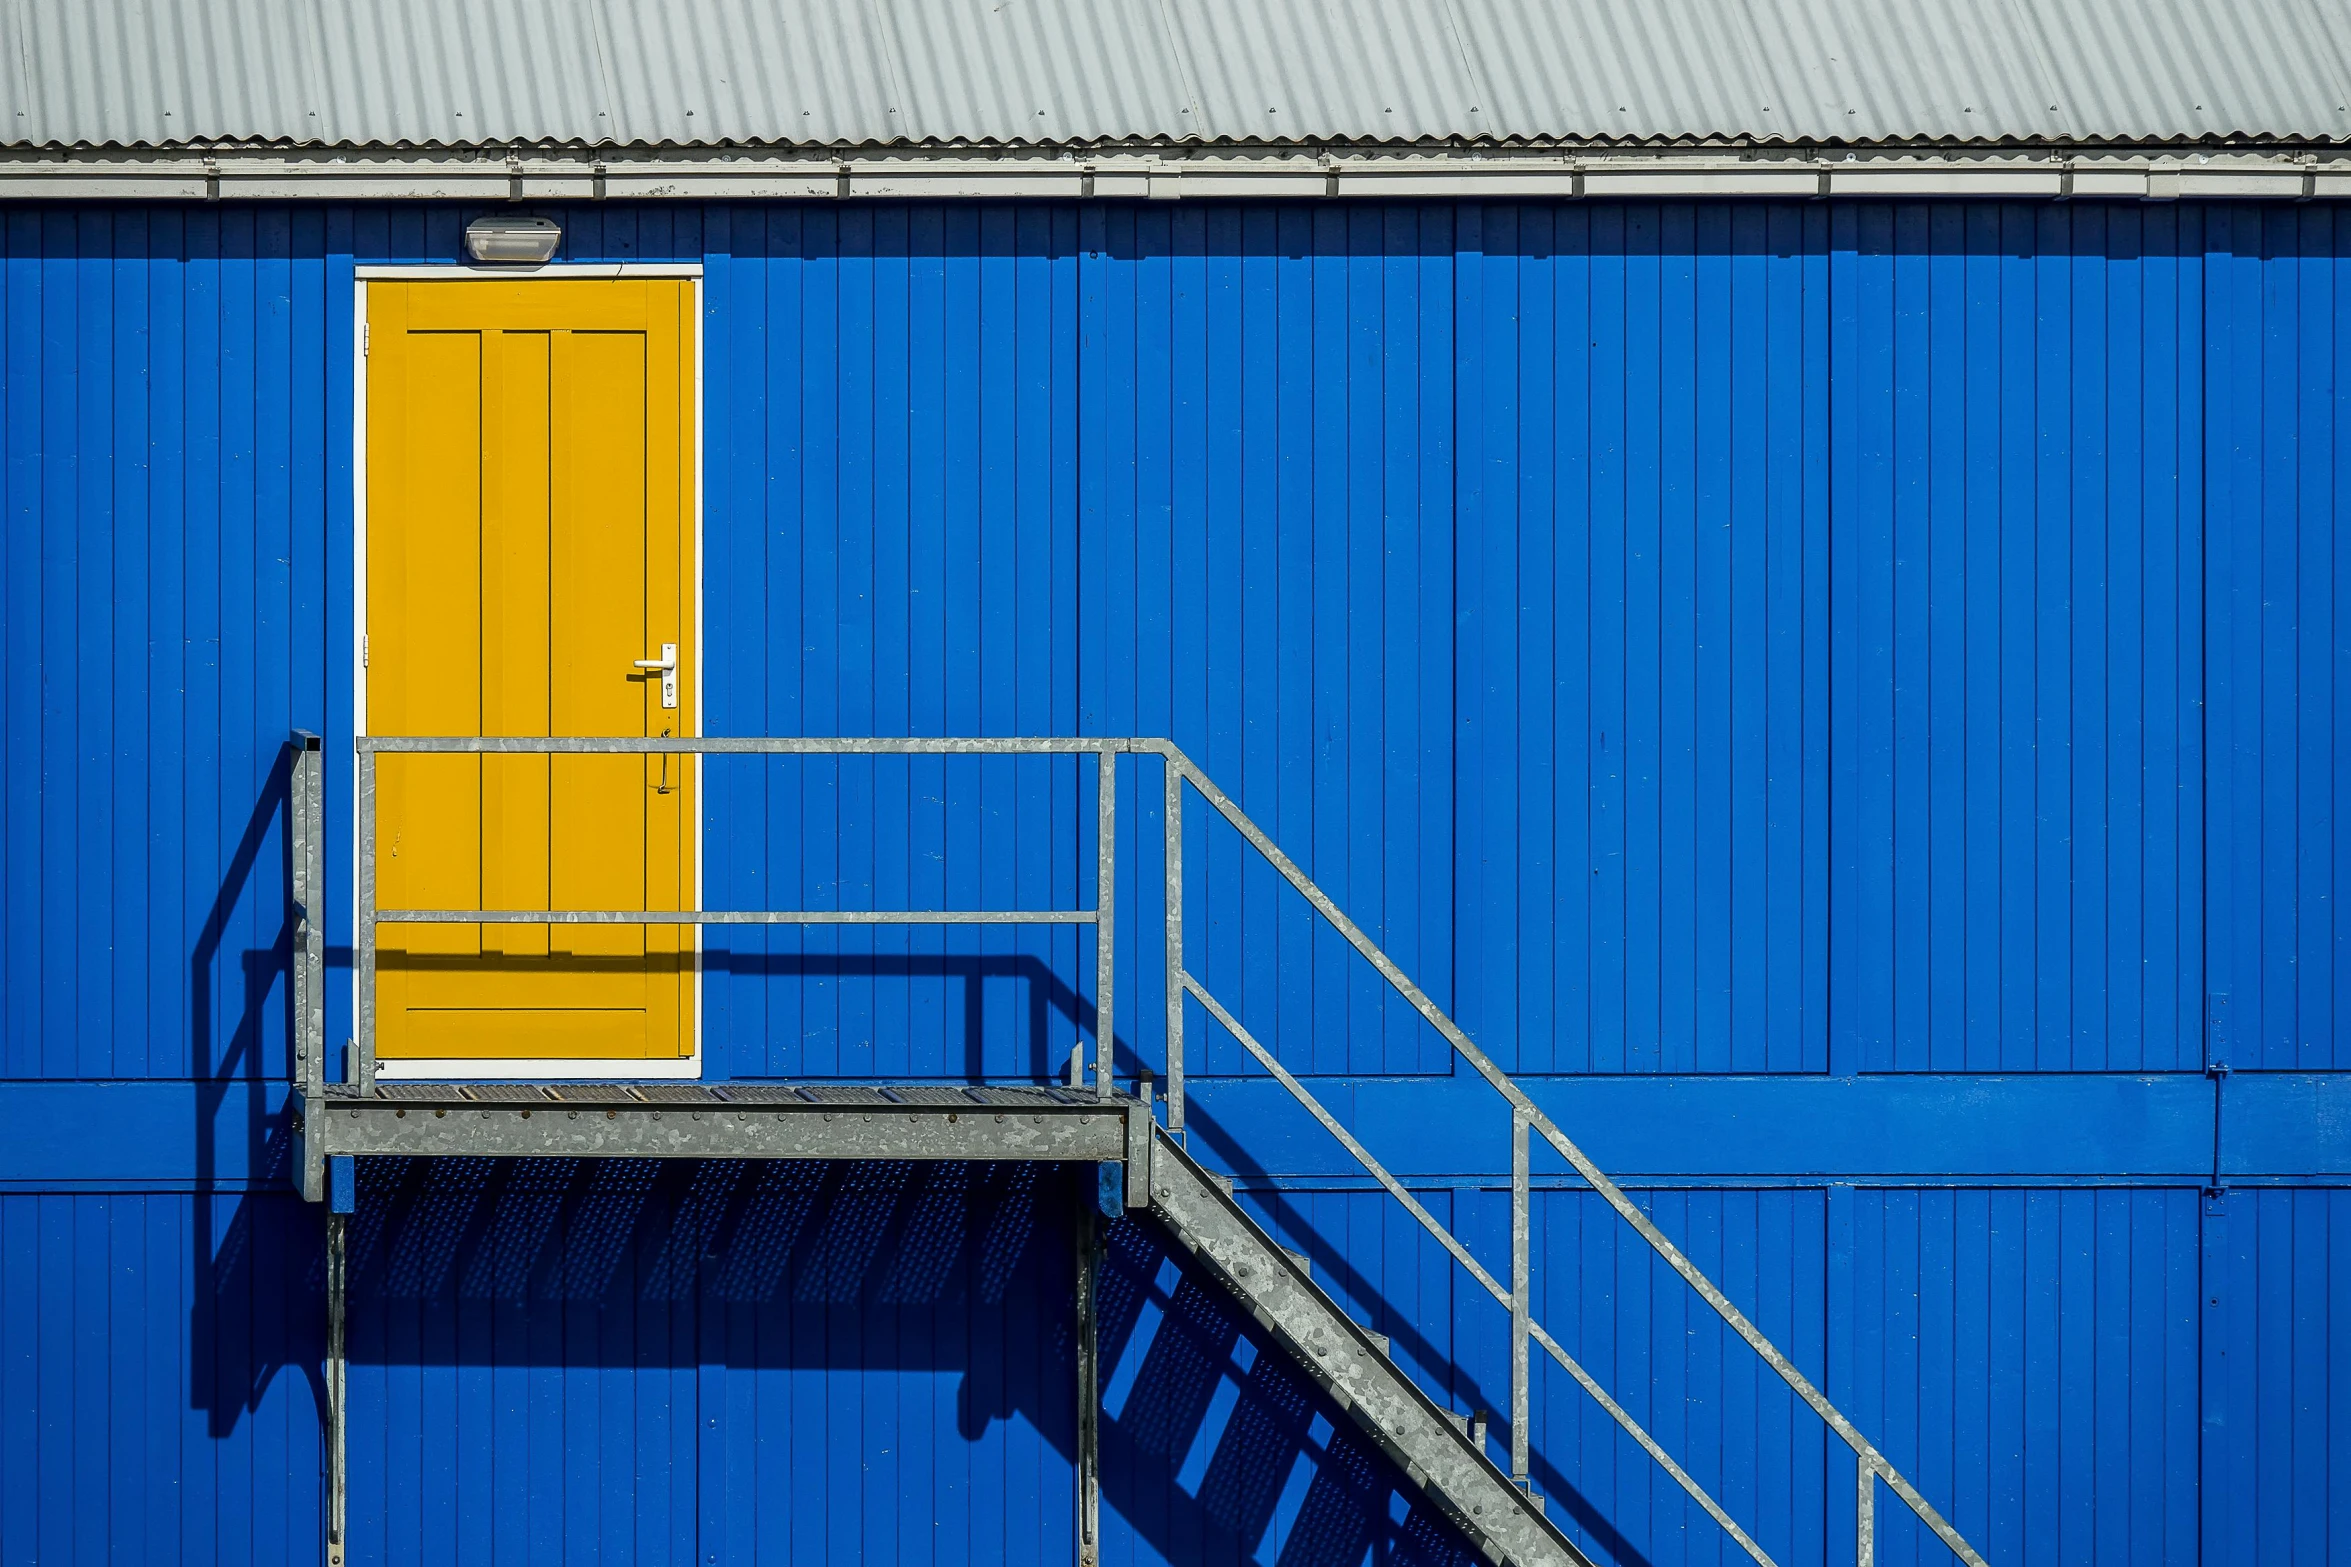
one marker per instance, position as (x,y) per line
(504,239)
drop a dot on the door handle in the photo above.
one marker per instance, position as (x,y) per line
(667,663)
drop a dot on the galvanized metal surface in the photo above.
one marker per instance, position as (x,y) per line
(335,1439)
(1521,1296)
(727,72)
(430,1121)
(1865,1514)
(1088,1385)
(1105,918)
(306,844)
(1436,1454)
(1172,938)
(370,915)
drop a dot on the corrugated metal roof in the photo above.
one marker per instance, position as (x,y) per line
(1057,72)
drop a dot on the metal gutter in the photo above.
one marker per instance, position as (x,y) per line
(1651,173)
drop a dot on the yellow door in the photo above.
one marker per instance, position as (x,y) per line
(529,538)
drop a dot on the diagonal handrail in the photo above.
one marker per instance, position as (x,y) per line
(1870,1462)
(1461,1254)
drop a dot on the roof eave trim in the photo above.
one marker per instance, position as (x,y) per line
(2149,173)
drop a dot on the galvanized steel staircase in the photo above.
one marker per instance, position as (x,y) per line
(1497,1509)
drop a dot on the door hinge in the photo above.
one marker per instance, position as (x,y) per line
(366,339)
(363,651)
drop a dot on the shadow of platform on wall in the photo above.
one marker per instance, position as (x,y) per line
(1214,1446)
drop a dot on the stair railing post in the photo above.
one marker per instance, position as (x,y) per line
(308,896)
(1089,1465)
(1175,946)
(338,1437)
(1521,1275)
(314,905)
(1105,917)
(1865,1514)
(364,938)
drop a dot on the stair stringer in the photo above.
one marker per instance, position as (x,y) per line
(1419,1436)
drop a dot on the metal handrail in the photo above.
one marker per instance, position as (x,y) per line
(306,831)
(1870,1464)
(1102,916)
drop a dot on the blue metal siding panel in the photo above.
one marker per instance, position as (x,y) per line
(2279,601)
(2273,1483)
(2057,1330)
(156,1412)
(1673,1365)
(1705,825)
(22,700)
(847,415)
(1269,503)
(2010,798)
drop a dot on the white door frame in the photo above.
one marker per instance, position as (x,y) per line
(527,1069)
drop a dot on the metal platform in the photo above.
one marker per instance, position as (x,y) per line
(672,1120)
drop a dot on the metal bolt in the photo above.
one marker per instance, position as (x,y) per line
(526,1115)
(612,1115)
(438,1114)
(401,1114)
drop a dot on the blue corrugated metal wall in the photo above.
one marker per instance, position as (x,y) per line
(1899,651)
